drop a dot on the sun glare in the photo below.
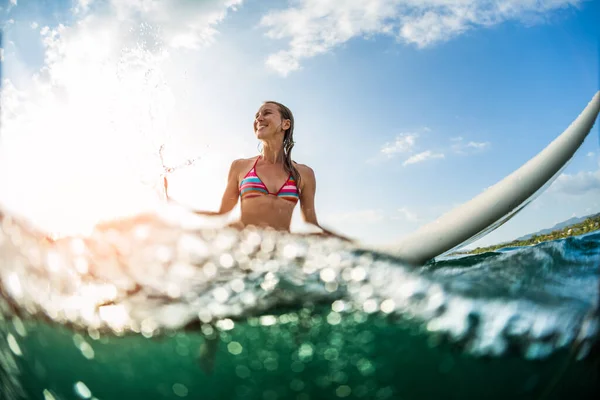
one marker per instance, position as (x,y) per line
(81,136)
(83,146)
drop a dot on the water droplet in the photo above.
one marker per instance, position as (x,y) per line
(267,245)
(271,364)
(82,390)
(234,348)
(180,390)
(221,294)
(164,254)
(343,391)
(327,275)
(148,327)
(370,306)
(305,352)
(210,270)
(331,354)
(19,327)
(207,330)
(284,319)
(237,285)
(14,285)
(93,333)
(268,320)
(334,259)
(358,274)
(387,306)
(173,290)
(338,306)
(297,366)
(226,260)
(183,351)
(48,395)
(13,345)
(115,316)
(290,251)
(205,316)
(86,350)
(365,367)
(242,371)
(225,324)
(334,318)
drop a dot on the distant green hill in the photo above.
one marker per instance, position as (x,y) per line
(559,226)
(564,229)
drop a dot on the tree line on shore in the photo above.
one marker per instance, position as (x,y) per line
(590,224)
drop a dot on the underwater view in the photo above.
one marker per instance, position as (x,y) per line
(148,310)
(433,236)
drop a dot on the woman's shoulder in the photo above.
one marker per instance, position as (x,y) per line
(242,163)
(304,170)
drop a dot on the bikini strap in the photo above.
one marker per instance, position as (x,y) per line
(255,162)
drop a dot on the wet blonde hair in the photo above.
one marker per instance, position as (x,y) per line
(288,141)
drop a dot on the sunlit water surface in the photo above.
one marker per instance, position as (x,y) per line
(157,307)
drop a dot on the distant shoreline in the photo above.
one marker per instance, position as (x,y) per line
(586,226)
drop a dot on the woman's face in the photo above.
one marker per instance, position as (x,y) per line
(268,122)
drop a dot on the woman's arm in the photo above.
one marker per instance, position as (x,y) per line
(307,201)
(231,195)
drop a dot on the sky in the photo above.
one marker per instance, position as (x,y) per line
(404,109)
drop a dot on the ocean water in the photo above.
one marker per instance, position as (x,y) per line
(154,307)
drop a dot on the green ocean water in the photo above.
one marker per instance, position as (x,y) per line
(374,358)
(330,322)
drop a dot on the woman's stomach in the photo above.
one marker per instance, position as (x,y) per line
(267,211)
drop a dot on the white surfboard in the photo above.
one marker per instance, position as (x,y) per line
(496,205)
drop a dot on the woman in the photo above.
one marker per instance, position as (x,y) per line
(270,185)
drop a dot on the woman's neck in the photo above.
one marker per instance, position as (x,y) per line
(273,153)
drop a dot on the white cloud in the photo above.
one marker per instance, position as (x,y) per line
(423,156)
(34,25)
(591,154)
(406,143)
(478,145)
(82,6)
(403,143)
(314,27)
(407,215)
(460,147)
(578,184)
(179,23)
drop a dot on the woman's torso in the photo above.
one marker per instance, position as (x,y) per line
(268,194)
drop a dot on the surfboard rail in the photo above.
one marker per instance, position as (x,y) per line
(499,203)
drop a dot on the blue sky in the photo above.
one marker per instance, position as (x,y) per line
(403,108)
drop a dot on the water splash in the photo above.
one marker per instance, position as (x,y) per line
(148,274)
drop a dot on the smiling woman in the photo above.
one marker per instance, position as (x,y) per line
(270,184)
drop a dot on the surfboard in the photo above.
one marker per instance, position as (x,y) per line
(499,203)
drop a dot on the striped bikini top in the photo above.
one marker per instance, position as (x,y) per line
(252,186)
